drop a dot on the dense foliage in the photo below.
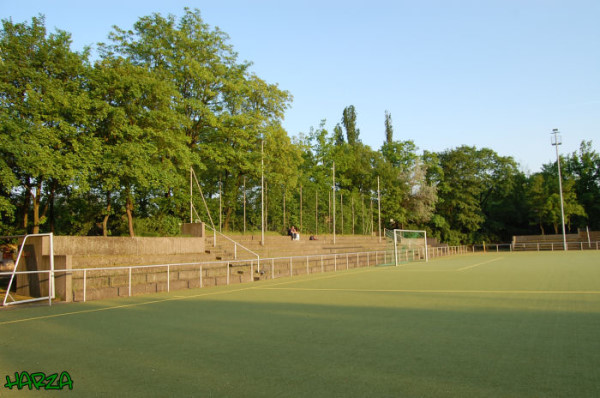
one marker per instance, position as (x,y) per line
(106,148)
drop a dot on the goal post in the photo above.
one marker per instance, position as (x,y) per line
(407,245)
(32,275)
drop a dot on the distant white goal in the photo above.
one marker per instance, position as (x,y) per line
(407,245)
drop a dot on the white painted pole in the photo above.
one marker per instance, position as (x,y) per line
(379,209)
(262,193)
(333,195)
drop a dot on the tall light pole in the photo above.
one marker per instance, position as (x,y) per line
(333,194)
(262,191)
(378,209)
(556,141)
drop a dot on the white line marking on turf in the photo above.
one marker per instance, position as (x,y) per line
(435,291)
(478,264)
(115,307)
(179,297)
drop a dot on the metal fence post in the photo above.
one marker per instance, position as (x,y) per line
(307,268)
(84,284)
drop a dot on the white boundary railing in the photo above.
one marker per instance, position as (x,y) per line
(552,246)
(222,271)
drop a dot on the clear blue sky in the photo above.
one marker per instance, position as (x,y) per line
(499,74)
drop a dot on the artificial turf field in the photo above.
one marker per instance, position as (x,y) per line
(485,325)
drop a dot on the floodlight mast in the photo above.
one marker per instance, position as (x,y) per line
(262,191)
(556,141)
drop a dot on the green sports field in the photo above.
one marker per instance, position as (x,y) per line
(486,325)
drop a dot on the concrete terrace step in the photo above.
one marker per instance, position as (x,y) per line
(283,246)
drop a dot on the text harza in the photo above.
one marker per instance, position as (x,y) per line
(38,380)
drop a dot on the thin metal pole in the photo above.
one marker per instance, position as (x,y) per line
(316,212)
(333,195)
(379,209)
(262,193)
(52,280)
(307,266)
(342,209)
(556,143)
(244,204)
(301,209)
(191,195)
(352,202)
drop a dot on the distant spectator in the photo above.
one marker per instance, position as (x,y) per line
(295,234)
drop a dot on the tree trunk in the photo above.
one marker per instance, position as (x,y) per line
(36,208)
(50,206)
(105,219)
(129,209)
(26,203)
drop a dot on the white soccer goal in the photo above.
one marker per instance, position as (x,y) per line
(407,245)
(33,278)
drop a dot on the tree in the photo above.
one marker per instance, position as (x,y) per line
(226,108)
(43,115)
(142,147)
(544,197)
(338,135)
(468,181)
(389,130)
(584,167)
(349,123)
(408,199)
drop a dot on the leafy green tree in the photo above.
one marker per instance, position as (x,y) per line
(389,129)
(226,108)
(408,198)
(545,198)
(338,134)
(349,123)
(142,147)
(43,116)
(468,180)
(584,167)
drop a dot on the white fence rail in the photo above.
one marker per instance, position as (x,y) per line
(95,283)
(553,246)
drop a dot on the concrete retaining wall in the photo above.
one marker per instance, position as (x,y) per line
(124,246)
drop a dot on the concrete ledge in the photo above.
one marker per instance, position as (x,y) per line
(111,246)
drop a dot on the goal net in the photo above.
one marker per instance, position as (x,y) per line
(407,245)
